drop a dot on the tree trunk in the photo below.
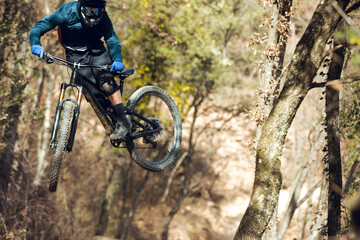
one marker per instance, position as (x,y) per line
(127,176)
(134,206)
(266,94)
(266,79)
(306,166)
(112,186)
(334,155)
(44,133)
(303,67)
(271,76)
(282,37)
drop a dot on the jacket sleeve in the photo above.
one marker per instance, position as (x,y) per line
(111,39)
(45,25)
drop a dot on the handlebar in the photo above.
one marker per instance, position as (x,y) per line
(49,58)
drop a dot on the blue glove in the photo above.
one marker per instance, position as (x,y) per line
(117,66)
(37,50)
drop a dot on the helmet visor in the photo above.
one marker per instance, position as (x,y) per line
(92,12)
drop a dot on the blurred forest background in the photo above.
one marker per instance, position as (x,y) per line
(211,56)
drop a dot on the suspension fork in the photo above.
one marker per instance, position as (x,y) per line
(57,116)
(74,122)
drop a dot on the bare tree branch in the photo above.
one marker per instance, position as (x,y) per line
(321,215)
(308,194)
(345,16)
(171,177)
(345,80)
(353,7)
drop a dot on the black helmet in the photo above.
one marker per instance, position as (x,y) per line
(91,11)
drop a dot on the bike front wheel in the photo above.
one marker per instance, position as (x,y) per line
(61,145)
(157,151)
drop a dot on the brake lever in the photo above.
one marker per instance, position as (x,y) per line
(48,58)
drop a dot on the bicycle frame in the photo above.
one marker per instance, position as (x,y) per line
(97,99)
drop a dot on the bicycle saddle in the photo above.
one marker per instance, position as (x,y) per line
(128,72)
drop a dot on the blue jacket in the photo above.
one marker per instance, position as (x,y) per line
(76,36)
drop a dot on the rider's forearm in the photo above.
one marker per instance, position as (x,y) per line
(35,34)
(43,26)
(115,51)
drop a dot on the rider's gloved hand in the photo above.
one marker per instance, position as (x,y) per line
(37,50)
(117,66)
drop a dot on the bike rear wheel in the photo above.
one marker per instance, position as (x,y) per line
(61,145)
(157,151)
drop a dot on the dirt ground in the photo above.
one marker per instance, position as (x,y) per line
(217,213)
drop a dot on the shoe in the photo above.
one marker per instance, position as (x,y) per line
(120,131)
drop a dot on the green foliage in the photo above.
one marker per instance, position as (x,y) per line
(188,47)
(352,36)
(182,46)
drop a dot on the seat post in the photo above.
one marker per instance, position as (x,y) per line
(121,86)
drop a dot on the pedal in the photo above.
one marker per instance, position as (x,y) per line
(116,143)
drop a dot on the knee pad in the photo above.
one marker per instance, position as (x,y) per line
(108,84)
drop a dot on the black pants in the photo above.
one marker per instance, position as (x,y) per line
(96,56)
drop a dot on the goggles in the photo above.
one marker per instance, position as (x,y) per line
(92,12)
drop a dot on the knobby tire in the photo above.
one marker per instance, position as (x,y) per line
(61,145)
(142,161)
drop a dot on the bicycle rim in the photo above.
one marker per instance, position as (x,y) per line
(157,151)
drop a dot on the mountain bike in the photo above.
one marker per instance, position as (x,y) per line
(156,132)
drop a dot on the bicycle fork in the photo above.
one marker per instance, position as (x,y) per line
(75,119)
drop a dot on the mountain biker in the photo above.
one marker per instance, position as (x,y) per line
(81,25)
